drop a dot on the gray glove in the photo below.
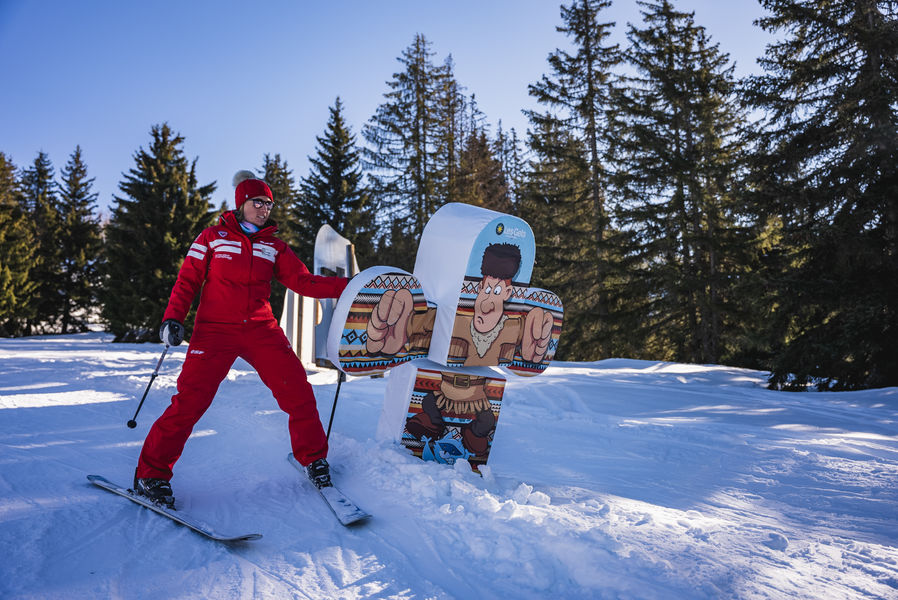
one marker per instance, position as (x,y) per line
(171,332)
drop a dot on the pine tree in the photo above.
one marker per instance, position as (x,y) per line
(677,147)
(277,174)
(17,248)
(161,212)
(481,178)
(402,155)
(478,174)
(452,128)
(576,94)
(333,190)
(81,245)
(42,206)
(828,171)
(507,148)
(553,202)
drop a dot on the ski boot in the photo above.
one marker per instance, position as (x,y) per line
(319,473)
(157,490)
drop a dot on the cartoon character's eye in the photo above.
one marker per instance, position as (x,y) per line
(498,289)
(488,290)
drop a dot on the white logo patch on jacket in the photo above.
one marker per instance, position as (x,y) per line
(265,251)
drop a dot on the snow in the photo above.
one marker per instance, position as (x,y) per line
(613,479)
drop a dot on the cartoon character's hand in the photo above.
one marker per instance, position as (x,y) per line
(537,333)
(386,328)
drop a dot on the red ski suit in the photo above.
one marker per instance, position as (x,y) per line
(234,319)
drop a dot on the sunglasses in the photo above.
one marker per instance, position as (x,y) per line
(263,204)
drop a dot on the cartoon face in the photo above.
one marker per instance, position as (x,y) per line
(490,302)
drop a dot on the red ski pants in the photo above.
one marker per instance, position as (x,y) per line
(213,349)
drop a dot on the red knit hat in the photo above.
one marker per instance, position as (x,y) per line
(249,187)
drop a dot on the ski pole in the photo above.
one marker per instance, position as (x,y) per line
(340,379)
(133,422)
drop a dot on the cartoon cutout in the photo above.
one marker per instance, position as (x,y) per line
(467,306)
(488,336)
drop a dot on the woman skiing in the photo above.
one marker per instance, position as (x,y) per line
(233,263)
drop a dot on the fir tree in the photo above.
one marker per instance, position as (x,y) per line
(333,190)
(507,148)
(81,245)
(402,155)
(17,247)
(277,174)
(553,203)
(576,94)
(451,132)
(161,212)
(481,178)
(677,146)
(828,171)
(42,206)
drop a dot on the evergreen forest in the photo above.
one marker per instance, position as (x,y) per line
(680,212)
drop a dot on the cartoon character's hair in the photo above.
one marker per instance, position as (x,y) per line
(501,261)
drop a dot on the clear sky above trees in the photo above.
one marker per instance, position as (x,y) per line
(238,82)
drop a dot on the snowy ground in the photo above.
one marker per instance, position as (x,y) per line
(616,479)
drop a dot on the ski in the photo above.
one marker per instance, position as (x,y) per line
(171,513)
(346,511)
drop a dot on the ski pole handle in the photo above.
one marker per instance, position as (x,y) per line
(133,422)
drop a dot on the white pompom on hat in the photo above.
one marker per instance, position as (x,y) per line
(248,186)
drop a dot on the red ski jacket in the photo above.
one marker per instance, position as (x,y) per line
(235,271)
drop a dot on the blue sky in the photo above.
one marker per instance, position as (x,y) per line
(240,80)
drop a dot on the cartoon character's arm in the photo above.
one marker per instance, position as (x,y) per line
(536,336)
(420,329)
(387,325)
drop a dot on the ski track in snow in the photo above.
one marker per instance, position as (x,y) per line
(615,479)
